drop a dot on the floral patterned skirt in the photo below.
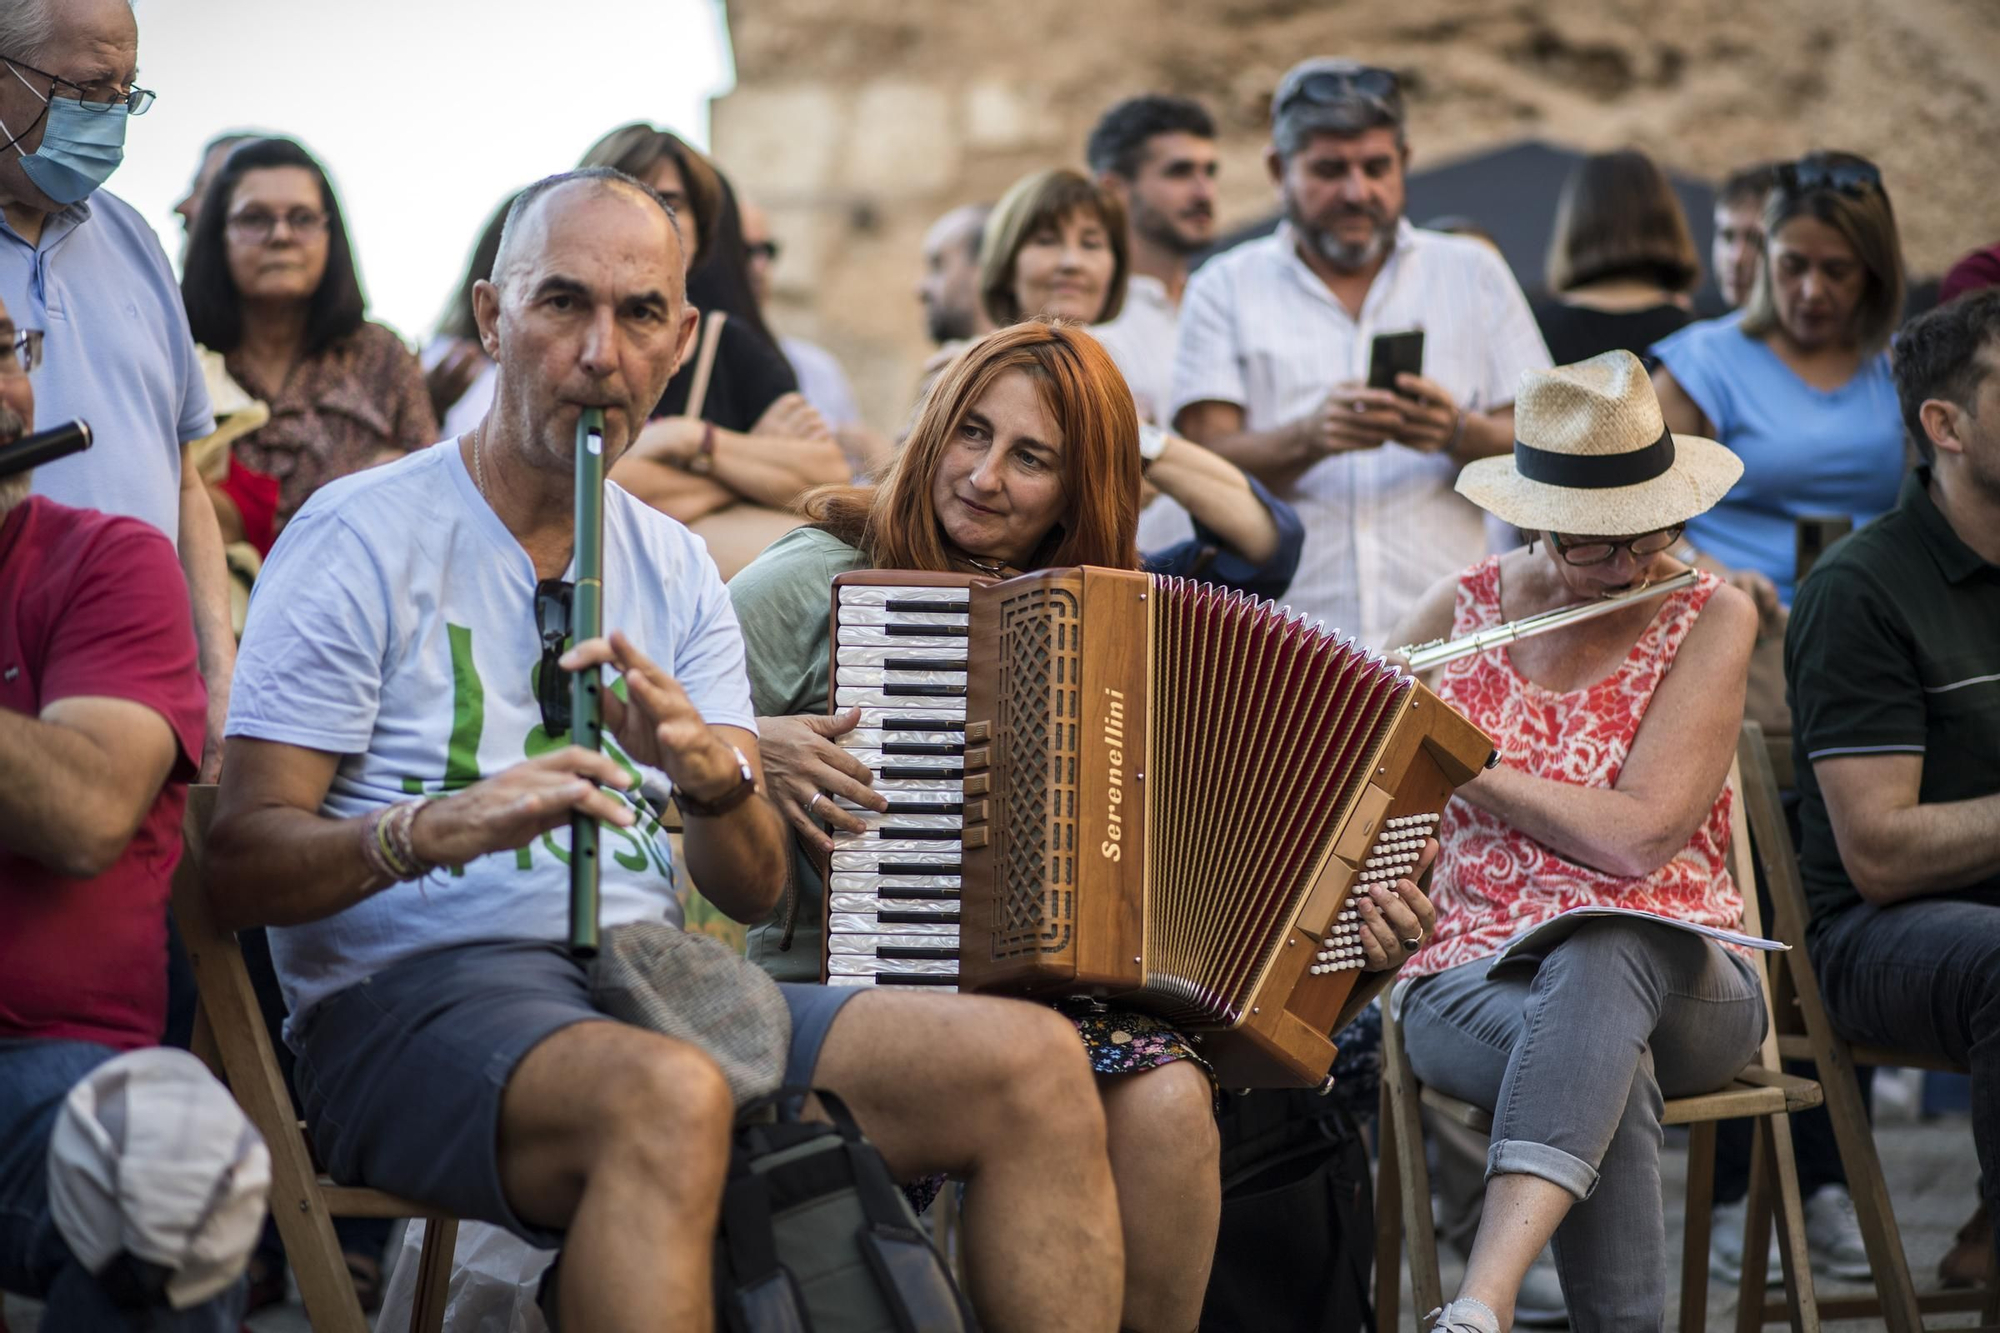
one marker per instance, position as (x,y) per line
(1118,1041)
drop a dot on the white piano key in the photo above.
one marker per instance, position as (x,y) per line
(879,594)
(878,677)
(858,881)
(850,926)
(941,705)
(878,636)
(892,848)
(901,937)
(867,856)
(875,615)
(876,821)
(869,902)
(922,789)
(868,744)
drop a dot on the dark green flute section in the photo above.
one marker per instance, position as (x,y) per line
(586,689)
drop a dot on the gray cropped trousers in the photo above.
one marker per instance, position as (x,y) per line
(1575,1056)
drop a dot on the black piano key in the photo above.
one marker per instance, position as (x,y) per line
(887,831)
(921,747)
(895,918)
(924,664)
(894,771)
(915,868)
(912,895)
(907,690)
(912,953)
(915,631)
(928,608)
(922,724)
(925,808)
(914,979)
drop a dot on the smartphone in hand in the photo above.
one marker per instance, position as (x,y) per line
(1393,354)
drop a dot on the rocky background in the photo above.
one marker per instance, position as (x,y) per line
(856,122)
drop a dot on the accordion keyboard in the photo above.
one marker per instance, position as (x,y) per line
(893,891)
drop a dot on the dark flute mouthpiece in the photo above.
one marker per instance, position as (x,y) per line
(31,451)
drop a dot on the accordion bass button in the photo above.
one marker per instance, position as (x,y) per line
(978,731)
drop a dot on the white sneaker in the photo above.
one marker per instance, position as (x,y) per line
(1725,1245)
(1463,1315)
(1833,1235)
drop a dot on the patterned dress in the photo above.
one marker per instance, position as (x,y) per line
(1492,880)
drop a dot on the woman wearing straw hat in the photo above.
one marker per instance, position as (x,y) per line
(1615,736)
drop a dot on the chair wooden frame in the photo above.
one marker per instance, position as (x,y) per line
(231,1038)
(1805,1032)
(1761,1090)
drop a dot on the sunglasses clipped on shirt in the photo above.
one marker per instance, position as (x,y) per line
(1853,178)
(552,607)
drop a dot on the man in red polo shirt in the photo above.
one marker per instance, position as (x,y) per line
(102,714)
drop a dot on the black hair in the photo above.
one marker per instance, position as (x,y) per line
(458,320)
(1118,142)
(1747,185)
(1937,356)
(215,309)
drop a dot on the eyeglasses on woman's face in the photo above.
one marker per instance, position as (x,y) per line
(1583,550)
(256,226)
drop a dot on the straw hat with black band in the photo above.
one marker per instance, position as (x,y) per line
(1593,456)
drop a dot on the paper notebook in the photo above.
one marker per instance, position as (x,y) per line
(1537,941)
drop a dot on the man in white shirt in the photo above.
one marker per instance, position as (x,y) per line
(395,805)
(1157,154)
(1274,352)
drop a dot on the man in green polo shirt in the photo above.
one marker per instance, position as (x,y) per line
(1893,658)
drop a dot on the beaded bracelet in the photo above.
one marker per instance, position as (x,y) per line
(399,823)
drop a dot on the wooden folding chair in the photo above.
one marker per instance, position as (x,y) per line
(1806,1033)
(1761,1090)
(230,1036)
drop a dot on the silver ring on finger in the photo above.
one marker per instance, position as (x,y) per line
(817,797)
(1413,944)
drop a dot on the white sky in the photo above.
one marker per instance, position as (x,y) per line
(426,113)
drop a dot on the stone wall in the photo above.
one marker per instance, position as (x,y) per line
(856,122)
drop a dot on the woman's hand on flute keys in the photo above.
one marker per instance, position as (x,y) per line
(806,771)
(656,724)
(1393,916)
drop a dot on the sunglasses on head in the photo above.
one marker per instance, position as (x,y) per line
(1854,179)
(1330,87)
(552,604)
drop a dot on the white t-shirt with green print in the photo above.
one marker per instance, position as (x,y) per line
(394,626)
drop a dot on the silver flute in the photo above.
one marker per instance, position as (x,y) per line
(1424,656)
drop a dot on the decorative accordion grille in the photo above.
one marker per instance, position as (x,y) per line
(1037,730)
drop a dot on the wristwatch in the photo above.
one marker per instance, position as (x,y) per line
(746,783)
(702,461)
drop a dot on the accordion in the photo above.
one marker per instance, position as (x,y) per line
(1137,789)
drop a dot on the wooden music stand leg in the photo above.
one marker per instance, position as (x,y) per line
(1388,1219)
(1694,1238)
(433,1275)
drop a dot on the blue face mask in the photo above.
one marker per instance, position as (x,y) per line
(80,149)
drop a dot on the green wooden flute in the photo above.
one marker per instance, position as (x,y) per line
(586,621)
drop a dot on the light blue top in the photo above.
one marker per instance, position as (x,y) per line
(116,351)
(1805,451)
(394,626)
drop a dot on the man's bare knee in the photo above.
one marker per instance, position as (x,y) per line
(1041,1073)
(609,1098)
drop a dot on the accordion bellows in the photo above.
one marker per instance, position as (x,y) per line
(1170,794)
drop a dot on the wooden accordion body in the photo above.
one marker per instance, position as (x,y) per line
(1170,793)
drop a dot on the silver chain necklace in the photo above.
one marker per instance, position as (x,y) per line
(479,467)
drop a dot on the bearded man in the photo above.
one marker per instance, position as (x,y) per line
(1271,365)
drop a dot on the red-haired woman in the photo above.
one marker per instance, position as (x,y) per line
(1022,457)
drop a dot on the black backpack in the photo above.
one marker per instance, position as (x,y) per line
(815,1236)
(1297,1242)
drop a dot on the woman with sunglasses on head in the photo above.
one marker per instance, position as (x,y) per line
(1021,458)
(1615,737)
(1797,383)
(271,284)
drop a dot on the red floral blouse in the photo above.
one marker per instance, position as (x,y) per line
(1494,881)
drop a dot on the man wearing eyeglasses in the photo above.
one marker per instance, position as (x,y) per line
(399,775)
(101,721)
(1275,345)
(80,263)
